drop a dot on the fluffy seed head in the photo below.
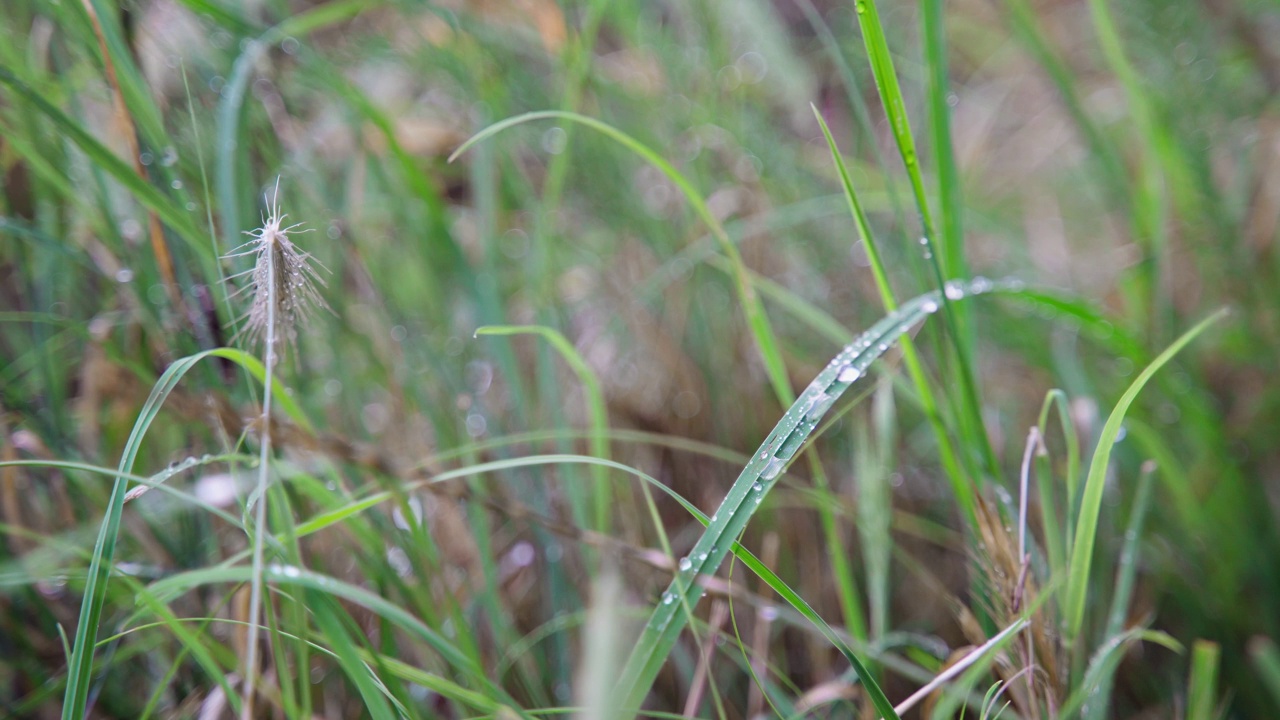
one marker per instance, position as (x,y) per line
(283,282)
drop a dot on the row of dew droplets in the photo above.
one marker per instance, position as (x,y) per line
(800,421)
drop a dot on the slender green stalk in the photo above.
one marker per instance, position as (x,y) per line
(895,107)
(961,484)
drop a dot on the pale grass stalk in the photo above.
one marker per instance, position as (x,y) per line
(952,672)
(260,511)
(283,283)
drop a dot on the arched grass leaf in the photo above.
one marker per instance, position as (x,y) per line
(753,484)
(1081,559)
(80,664)
(757,321)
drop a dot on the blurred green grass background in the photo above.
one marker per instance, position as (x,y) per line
(1121,161)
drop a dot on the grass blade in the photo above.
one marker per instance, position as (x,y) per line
(1091,504)
(961,484)
(761,330)
(895,107)
(80,665)
(749,490)
(1202,686)
(597,411)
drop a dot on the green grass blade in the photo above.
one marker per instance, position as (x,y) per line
(1266,661)
(1126,571)
(80,665)
(951,233)
(1104,663)
(961,484)
(1091,503)
(895,107)
(597,411)
(1202,686)
(1055,542)
(757,321)
(749,490)
(371,690)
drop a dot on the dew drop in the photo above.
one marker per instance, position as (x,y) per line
(668,598)
(685,564)
(953,290)
(772,470)
(849,374)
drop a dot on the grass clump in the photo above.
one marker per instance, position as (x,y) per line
(585,256)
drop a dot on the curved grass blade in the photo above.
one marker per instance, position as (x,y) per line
(1054,541)
(1091,503)
(749,490)
(597,411)
(761,330)
(80,665)
(168,588)
(1104,664)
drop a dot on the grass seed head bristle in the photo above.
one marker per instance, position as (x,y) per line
(283,281)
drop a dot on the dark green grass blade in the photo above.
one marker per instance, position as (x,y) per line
(969,416)
(348,656)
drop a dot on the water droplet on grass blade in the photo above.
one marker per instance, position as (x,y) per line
(685,564)
(772,470)
(849,374)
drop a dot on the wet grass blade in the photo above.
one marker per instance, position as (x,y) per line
(961,484)
(748,491)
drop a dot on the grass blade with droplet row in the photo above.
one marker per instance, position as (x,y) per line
(748,491)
